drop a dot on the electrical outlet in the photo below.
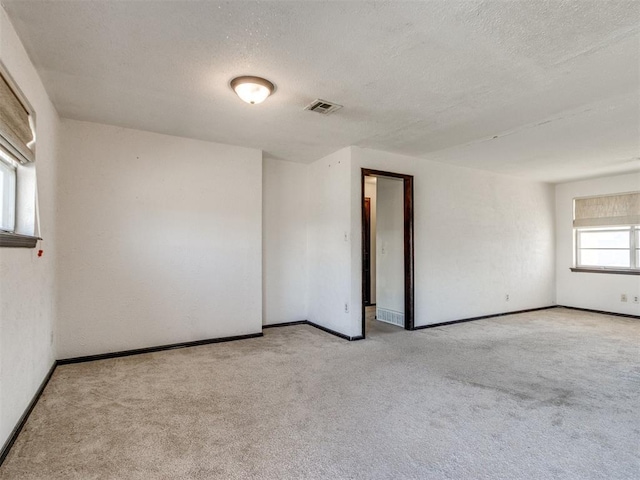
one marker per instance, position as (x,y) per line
(506,297)
(636,299)
(623,297)
(346,308)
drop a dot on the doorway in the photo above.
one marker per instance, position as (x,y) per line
(401,245)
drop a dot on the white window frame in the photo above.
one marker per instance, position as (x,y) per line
(633,247)
(8,192)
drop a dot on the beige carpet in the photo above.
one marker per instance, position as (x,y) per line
(544,395)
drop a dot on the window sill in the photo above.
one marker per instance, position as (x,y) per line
(605,270)
(16,240)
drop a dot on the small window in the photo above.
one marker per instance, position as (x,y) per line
(7,194)
(611,248)
(607,233)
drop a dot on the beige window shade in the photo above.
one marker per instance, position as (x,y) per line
(16,134)
(609,210)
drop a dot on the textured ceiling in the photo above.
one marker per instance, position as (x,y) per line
(547,90)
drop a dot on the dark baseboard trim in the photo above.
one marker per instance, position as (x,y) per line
(23,419)
(626,315)
(333,332)
(285,324)
(173,346)
(319,327)
(484,317)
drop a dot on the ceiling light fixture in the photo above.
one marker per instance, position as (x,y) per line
(252,89)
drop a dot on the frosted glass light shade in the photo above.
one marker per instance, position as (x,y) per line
(252,89)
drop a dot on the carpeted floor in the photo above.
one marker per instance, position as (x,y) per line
(553,394)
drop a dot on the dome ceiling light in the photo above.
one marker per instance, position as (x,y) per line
(252,89)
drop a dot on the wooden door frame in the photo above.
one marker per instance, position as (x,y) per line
(409,274)
(366,261)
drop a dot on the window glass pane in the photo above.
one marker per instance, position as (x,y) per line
(606,239)
(7,197)
(605,258)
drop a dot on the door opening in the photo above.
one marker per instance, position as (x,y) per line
(396,236)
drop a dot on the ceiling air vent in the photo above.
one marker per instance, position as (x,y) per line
(323,107)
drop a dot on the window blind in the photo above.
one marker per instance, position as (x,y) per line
(608,210)
(16,134)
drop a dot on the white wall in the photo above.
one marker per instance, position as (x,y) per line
(329,241)
(370,191)
(27,300)
(390,246)
(478,237)
(597,291)
(284,242)
(160,240)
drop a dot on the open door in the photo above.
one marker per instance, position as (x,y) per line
(408,245)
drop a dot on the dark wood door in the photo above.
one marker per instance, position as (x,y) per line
(367,250)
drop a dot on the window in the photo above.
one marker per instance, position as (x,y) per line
(607,233)
(7,194)
(18,209)
(613,248)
